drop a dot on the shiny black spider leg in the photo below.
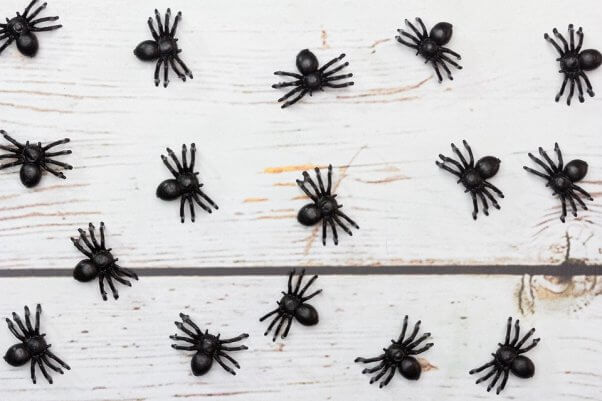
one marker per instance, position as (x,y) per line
(91,230)
(45,360)
(457,152)
(189,198)
(440,61)
(491,198)
(413,28)
(503,382)
(583,191)
(53,171)
(423,27)
(42,369)
(320,182)
(176,337)
(447,168)
(12,164)
(413,335)
(167,18)
(323,232)
(159,22)
(341,224)
(576,197)
(374,369)
(573,206)
(295,99)
(563,203)
(403,42)
(516,333)
(37,11)
(13,329)
(409,36)
(183,65)
(122,271)
(176,21)
(228,357)
(335,235)
(196,198)
(152,29)
(84,238)
(186,319)
(307,285)
(579,89)
(46,28)
(482,367)
(157,70)
(101,285)
(347,218)
(449,60)
(223,365)
(337,78)
(185,330)
(8,42)
(290,281)
(28,8)
(403,330)
(498,373)
(484,202)
(331,62)
(182,204)
(113,274)
(208,199)
(165,73)
(389,377)
(475,206)
(571,91)
(453,53)
(299,280)
(175,159)
(336,86)
(519,344)
(436,67)
(286,84)
(37,321)
(562,39)
(562,87)
(547,169)
(233,340)
(264,317)
(28,321)
(12,140)
(334,70)
(307,179)
(588,84)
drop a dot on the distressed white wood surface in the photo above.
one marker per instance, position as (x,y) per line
(121,350)
(383,134)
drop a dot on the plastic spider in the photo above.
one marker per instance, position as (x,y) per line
(186,185)
(399,355)
(562,180)
(22,27)
(574,63)
(33,346)
(431,45)
(208,347)
(164,49)
(474,177)
(33,159)
(293,305)
(508,358)
(312,77)
(324,206)
(100,262)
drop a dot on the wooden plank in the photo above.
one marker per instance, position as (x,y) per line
(382,135)
(120,350)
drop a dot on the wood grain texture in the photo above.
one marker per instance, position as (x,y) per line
(121,350)
(382,135)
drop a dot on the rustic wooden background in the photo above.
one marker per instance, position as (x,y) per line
(382,135)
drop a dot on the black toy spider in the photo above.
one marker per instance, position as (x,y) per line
(562,180)
(33,159)
(186,185)
(100,262)
(22,27)
(33,346)
(399,355)
(324,206)
(508,358)
(474,177)
(208,347)
(312,77)
(431,45)
(164,49)
(293,305)
(574,63)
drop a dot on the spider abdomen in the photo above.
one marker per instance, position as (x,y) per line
(30,174)
(590,59)
(441,33)
(309,215)
(147,50)
(169,189)
(27,43)
(200,364)
(307,315)
(307,62)
(17,355)
(410,368)
(576,170)
(85,271)
(522,367)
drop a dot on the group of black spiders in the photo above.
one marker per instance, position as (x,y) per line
(400,355)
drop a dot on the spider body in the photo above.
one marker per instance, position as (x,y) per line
(574,62)
(561,179)
(23,28)
(293,305)
(508,358)
(185,185)
(474,176)
(33,159)
(100,262)
(207,347)
(33,347)
(324,206)
(399,356)
(312,77)
(431,45)
(163,49)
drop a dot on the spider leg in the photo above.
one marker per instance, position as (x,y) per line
(191,205)
(184,67)
(159,23)
(37,323)
(46,28)
(165,73)
(80,247)
(228,357)
(6,44)
(307,285)
(403,42)
(28,8)
(289,74)
(388,378)
(4,166)
(335,235)
(175,159)
(307,178)
(13,330)
(167,17)
(175,24)
(288,327)
(294,100)
(343,215)
(186,319)
(182,203)
(112,286)
(169,167)
(344,85)
(176,70)
(125,272)
(157,70)
(233,349)
(9,156)
(320,183)
(562,88)
(208,199)
(278,328)
(572,37)
(445,68)
(380,374)
(413,28)
(491,198)
(101,285)
(56,143)
(291,92)
(530,347)
(307,298)
(403,329)
(57,359)
(516,332)
(434,63)
(120,280)
(542,164)
(447,168)
(338,77)
(12,140)
(558,156)
(176,337)
(419,340)
(374,369)
(84,238)
(413,335)
(192,156)
(449,51)
(33,370)
(583,191)
(337,69)
(573,206)
(424,31)
(331,62)
(45,19)
(61,153)
(481,368)
(91,230)
(323,232)
(553,42)
(421,350)
(50,364)
(571,92)
(469,150)
(299,280)
(562,39)
(407,35)
(152,29)
(342,225)
(44,371)
(536,173)
(494,380)
(503,383)
(449,60)
(588,84)
(28,321)
(488,375)
(223,365)
(484,202)
(269,314)
(370,360)
(285,84)
(36,12)
(457,152)
(578,199)
(580,36)
(290,281)
(579,89)
(184,329)
(53,171)
(184,347)
(273,322)
(475,207)
(17,320)
(525,338)
(563,202)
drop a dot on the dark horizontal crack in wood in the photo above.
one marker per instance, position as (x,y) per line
(566,269)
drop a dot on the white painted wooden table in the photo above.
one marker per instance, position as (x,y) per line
(382,135)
